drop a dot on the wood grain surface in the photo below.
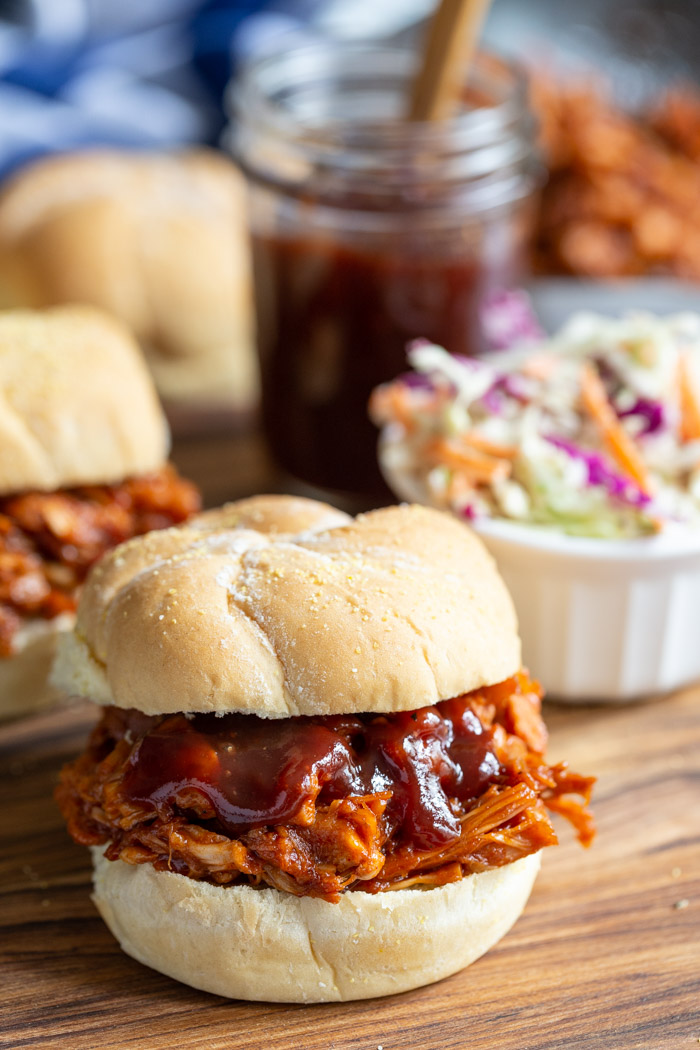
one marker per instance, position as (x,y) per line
(606,955)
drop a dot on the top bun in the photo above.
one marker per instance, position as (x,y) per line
(77,405)
(277,606)
(157,240)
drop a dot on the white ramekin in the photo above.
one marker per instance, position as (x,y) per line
(600,620)
(603,620)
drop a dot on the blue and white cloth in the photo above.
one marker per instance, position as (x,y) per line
(146,73)
(112,72)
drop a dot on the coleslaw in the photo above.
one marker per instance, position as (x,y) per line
(594,432)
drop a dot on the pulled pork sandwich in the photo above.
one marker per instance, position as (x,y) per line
(83,448)
(320,770)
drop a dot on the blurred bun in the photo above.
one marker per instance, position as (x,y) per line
(77,405)
(159,241)
(273,516)
(390,611)
(24,686)
(263,944)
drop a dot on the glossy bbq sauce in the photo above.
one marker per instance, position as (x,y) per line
(253,772)
(334,320)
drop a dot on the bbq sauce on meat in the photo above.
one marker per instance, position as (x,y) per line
(253,772)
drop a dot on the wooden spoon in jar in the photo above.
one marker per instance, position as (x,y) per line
(450,45)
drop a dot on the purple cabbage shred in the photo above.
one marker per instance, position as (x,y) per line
(509,384)
(599,473)
(492,400)
(652,412)
(416,381)
(508,318)
(470,362)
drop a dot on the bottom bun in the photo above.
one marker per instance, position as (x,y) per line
(263,944)
(24,685)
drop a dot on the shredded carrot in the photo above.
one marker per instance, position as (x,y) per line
(460,485)
(491,448)
(394,403)
(479,468)
(689,401)
(390,402)
(620,444)
(540,366)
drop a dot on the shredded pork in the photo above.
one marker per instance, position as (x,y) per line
(349,843)
(49,540)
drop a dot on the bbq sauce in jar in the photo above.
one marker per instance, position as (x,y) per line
(368,232)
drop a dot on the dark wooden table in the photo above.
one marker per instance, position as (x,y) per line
(606,955)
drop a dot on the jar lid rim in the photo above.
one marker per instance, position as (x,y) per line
(248,101)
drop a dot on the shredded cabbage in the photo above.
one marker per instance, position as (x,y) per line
(514,436)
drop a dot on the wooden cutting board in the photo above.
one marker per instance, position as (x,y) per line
(606,955)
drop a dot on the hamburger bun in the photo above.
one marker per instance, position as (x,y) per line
(394,610)
(77,405)
(265,945)
(157,240)
(24,676)
(278,607)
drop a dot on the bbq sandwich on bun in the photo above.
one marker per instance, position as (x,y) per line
(83,449)
(319,774)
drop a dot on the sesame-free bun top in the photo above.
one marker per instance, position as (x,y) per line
(159,240)
(77,405)
(390,611)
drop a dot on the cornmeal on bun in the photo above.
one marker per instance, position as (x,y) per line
(83,466)
(320,770)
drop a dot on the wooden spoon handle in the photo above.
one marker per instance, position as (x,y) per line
(451,42)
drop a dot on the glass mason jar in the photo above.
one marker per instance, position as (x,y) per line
(369,231)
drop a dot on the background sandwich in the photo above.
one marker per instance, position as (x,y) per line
(320,771)
(83,450)
(157,240)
